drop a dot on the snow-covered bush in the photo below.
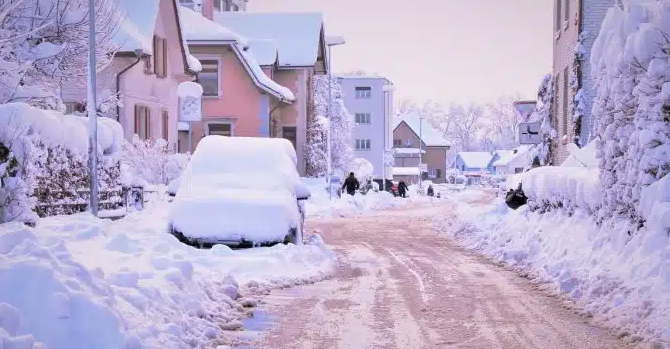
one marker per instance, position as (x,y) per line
(362,169)
(44,163)
(44,44)
(152,161)
(549,188)
(341,124)
(631,65)
(542,114)
(315,149)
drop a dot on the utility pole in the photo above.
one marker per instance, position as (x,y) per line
(92,109)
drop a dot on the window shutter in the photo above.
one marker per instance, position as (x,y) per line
(155,55)
(137,120)
(165,57)
(147,121)
(166,128)
(558,15)
(567,10)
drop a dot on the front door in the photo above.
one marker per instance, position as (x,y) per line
(290,133)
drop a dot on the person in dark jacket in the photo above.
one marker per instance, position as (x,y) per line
(402,189)
(430,191)
(351,184)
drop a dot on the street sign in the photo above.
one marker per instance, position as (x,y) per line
(529,133)
(423,167)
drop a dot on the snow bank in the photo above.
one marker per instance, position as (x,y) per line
(621,279)
(551,186)
(320,205)
(77,282)
(655,204)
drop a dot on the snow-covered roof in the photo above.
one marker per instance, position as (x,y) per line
(371,76)
(405,171)
(298,35)
(475,159)
(137,27)
(265,51)
(507,156)
(259,77)
(431,137)
(198,28)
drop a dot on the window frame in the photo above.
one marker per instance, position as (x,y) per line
(138,121)
(230,123)
(219,79)
(362,116)
(160,56)
(359,92)
(398,143)
(363,144)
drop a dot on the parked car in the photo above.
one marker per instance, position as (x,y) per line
(240,192)
(391,187)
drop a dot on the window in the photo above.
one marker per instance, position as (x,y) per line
(409,143)
(363,92)
(363,118)
(397,142)
(362,144)
(142,121)
(438,173)
(209,77)
(160,56)
(558,13)
(566,97)
(166,124)
(221,129)
(566,6)
(290,133)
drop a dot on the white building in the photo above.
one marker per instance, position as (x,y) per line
(370,100)
(512,161)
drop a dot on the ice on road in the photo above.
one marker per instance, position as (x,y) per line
(401,284)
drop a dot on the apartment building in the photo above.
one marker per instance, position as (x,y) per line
(370,100)
(576,26)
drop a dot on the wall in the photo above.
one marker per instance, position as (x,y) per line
(378,131)
(240,103)
(436,158)
(296,114)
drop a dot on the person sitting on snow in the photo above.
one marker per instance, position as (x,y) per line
(430,190)
(351,184)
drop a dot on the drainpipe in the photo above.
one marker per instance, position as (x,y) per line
(272,122)
(138,54)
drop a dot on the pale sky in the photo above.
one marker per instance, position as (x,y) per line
(444,50)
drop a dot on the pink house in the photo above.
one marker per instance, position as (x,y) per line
(239,96)
(291,49)
(150,64)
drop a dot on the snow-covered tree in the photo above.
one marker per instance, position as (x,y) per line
(341,123)
(465,125)
(152,160)
(502,123)
(630,63)
(541,153)
(315,150)
(45,43)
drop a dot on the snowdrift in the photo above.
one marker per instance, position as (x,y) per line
(77,282)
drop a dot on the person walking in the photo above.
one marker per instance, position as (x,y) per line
(351,184)
(402,189)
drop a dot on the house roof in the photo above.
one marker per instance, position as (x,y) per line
(475,159)
(405,171)
(265,51)
(507,156)
(430,136)
(137,29)
(203,31)
(198,28)
(298,35)
(372,77)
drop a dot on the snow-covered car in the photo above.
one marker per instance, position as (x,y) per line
(239,191)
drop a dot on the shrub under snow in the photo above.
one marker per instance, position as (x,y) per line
(44,163)
(630,60)
(151,161)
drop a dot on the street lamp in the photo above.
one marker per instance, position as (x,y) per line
(92,111)
(420,150)
(330,41)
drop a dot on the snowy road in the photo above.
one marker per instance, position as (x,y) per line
(401,285)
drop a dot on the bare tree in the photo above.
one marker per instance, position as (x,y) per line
(503,122)
(465,124)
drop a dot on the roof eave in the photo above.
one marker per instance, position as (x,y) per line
(257,82)
(210,42)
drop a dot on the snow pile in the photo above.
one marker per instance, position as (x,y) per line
(44,163)
(630,60)
(362,169)
(655,204)
(553,187)
(620,279)
(77,282)
(320,205)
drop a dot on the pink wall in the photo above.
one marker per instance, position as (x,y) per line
(289,78)
(240,99)
(208,8)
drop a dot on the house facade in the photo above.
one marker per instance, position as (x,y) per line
(145,72)
(510,161)
(238,95)
(370,100)
(291,48)
(473,164)
(576,26)
(412,137)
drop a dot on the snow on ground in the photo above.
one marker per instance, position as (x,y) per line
(622,280)
(320,205)
(77,282)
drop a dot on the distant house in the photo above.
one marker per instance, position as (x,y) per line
(473,164)
(511,161)
(370,100)
(145,72)
(239,96)
(408,131)
(291,49)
